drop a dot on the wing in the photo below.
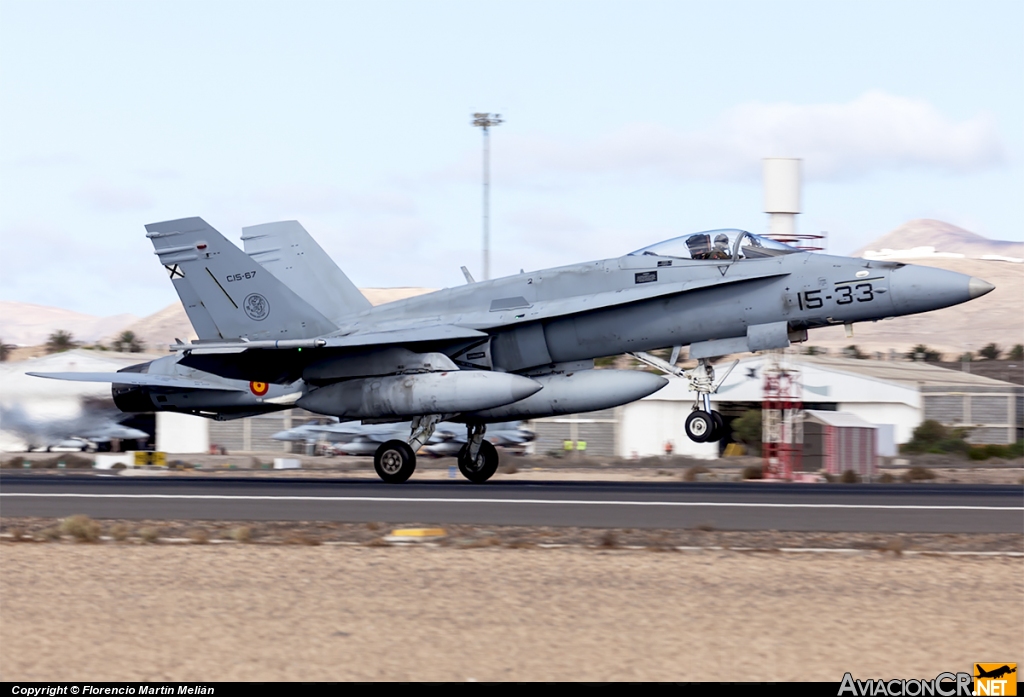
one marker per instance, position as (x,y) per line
(140,379)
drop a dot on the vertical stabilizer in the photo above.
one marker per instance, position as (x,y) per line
(294,257)
(238,297)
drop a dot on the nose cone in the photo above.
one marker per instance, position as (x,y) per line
(978,287)
(923,288)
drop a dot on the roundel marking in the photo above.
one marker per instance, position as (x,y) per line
(258,388)
(256,307)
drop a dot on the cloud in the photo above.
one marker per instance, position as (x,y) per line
(330,199)
(875,132)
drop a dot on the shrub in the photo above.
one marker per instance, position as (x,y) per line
(691,474)
(886,478)
(82,528)
(752,472)
(150,535)
(933,437)
(918,474)
(243,533)
(747,430)
(849,477)
(50,534)
(119,532)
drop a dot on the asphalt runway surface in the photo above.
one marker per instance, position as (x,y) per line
(947,508)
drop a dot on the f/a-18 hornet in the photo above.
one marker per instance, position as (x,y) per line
(281,326)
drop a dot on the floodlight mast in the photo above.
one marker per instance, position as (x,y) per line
(485,121)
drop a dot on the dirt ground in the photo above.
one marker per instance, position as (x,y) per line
(361,612)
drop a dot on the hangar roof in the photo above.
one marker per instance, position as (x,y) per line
(910,373)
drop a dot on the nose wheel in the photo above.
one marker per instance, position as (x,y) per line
(704,427)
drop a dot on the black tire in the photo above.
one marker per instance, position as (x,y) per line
(718,432)
(483,468)
(699,426)
(394,461)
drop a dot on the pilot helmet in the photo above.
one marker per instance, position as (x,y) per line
(722,241)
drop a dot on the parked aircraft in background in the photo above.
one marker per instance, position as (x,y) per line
(364,439)
(280,326)
(90,431)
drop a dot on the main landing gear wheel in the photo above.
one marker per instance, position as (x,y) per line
(699,426)
(394,461)
(718,432)
(483,467)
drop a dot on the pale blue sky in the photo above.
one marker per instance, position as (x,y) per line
(626,122)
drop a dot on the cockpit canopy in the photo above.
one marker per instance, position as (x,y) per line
(725,244)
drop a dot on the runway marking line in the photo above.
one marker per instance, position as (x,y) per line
(548,502)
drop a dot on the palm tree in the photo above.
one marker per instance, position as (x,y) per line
(128,343)
(990,352)
(5,350)
(59,341)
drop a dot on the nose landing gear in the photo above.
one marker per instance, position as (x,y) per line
(703,425)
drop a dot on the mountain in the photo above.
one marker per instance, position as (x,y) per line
(26,324)
(943,237)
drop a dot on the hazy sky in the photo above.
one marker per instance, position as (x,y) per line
(626,123)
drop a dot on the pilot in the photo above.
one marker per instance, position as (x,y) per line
(721,250)
(699,246)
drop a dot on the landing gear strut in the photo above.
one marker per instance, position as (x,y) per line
(703,425)
(478,459)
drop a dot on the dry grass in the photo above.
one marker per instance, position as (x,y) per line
(149,535)
(82,528)
(301,538)
(199,537)
(119,531)
(243,534)
(918,474)
(49,534)
(692,472)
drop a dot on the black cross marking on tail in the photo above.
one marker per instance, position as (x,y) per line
(175,271)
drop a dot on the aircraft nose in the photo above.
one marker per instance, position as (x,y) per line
(923,288)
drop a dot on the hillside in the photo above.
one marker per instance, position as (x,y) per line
(26,324)
(944,237)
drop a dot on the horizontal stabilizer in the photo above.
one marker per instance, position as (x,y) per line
(140,379)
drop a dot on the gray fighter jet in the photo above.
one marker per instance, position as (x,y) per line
(281,326)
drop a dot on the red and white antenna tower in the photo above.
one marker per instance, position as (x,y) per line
(782,417)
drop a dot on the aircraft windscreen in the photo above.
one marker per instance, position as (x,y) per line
(717,245)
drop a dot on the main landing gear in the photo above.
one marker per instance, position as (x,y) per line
(703,425)
(395,460)
(478,459)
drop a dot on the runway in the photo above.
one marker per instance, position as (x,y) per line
(724,506)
